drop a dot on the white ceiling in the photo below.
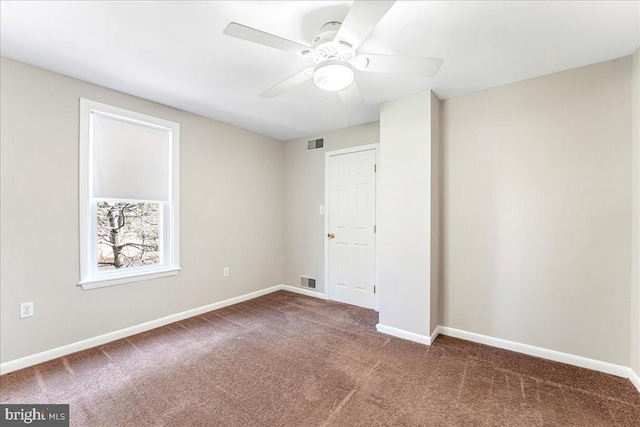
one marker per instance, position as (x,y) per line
(175,53)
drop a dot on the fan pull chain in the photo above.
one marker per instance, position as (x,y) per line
(346,111)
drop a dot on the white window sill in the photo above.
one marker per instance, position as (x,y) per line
(101,282)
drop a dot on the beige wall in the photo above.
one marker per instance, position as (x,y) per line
(537,213)
(635,253)
(404,214)
(231,215)
(303,196)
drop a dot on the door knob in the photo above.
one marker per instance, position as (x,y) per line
(331,235)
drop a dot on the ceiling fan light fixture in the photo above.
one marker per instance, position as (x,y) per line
(333,75)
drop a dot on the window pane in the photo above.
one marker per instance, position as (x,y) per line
(128,235)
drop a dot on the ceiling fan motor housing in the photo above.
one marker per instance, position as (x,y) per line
(327,33)
(325,46)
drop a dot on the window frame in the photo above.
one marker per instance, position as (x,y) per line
(169,231)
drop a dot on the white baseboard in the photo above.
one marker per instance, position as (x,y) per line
(435,334)
(34,359)
(571,359)
(635,378)
(303,291)
(401,333)
(557,356)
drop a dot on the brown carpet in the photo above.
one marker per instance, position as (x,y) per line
(290,360)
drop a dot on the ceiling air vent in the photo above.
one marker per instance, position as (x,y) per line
(307,282)
(315,144)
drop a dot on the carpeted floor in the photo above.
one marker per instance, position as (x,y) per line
(290,360)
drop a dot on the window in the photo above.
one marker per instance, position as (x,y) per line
(129,196)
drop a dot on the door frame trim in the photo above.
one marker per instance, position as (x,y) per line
(367,147)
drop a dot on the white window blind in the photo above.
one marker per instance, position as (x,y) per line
(131,160)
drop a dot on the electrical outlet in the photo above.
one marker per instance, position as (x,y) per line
(26,309)
(225,272)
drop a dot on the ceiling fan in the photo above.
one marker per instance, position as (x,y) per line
(335,53)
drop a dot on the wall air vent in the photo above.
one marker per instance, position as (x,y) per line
(315,144)
(307,282)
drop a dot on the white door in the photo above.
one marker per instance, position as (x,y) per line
(351,218)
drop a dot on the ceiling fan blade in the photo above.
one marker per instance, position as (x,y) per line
(424,67)
(287,84)
(351,96)
(251,34)
(360,21)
